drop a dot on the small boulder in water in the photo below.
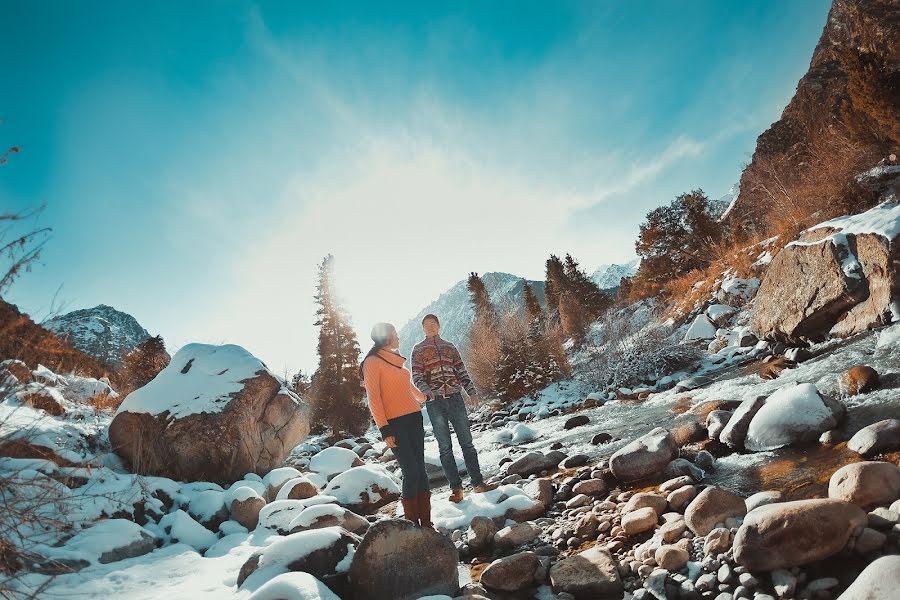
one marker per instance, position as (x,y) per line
(859,379)
(644,457)
(883,436)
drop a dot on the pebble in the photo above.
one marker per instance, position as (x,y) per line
(724,574)
(579,500)
(784,582)
(747,580)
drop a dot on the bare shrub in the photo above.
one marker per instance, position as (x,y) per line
(629,353)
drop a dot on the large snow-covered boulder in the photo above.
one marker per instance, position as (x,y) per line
(333,461)
(795,414)
(107,541)
(839,278)
(213,414)
(400,561)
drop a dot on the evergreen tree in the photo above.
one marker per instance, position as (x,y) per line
(300,383)
(573,317)
(336,393)
(585,290)
(481,300)
(532,305)
(555,285)
(144,363)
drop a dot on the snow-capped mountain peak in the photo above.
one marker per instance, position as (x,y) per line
(103,332)
(609,276)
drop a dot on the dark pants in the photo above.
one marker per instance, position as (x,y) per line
(452,410)
(410,453)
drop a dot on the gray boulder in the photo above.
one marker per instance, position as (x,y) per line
(644,457)
(883,436)
(587,575)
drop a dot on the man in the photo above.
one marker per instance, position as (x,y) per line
(438,371)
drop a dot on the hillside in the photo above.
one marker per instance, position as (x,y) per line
(103,332)
(23,339)
(609,276)
(842,120)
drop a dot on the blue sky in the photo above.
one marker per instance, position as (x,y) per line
(198,159)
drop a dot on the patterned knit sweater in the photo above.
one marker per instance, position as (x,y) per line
(438,369)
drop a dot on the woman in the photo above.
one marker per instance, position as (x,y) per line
(395,405)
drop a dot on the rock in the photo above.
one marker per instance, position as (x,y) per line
(639,521)
(213,414)
(363,489)
(41,397)
(866,484)
(642,500)
(675,483)
(481,532)
(328,515)
(828,284)
(883,436)
(716,421)
(681,497)
(671,558)
(587,575)
(591,487)
(540,491)
(578,501)
(883,518)
(705,460)
(535,462)
(880,580)
(111,540)
(672,530)
(784,583)
(763,498)
(644,457)
(859,379)
(789,534)
(683,467)
(869,541)
(735,431)
(574,461)
(512,573)
(277,478)
(718,541)
(687,430)
(333,461)
(601,438)
(298,488)
(711,506)
(389,565)
(323,553)
(576,421)
(245,507)
(515,535)
(17,369)
(794,414)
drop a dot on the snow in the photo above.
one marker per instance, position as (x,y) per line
(701,329)
(244,492)
(83,389)
(294,586)
(717,311)
(794,408)
(289,485)
(489,504)
(179,526)
(201,378)
(359,485)
(91,543)
(204,504)
(290,548)
(309,515)
(278,514)
(278,477)
(763,259)
(331,461)
(882,220)
(519,434)
(256,486)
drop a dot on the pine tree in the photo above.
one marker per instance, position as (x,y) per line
(335,389)
(532,305)
(573,317)
(556,284)
(481,300)
(585,290)
(300,383)
(144,363)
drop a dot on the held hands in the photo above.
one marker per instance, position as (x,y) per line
(390,441)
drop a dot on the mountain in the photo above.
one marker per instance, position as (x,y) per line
(454,309)
(103,332)
(720,207)
(609,276)
(843,119)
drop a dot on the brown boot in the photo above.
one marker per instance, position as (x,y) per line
(424,499)
(411,509)
(456,495)
(484,487)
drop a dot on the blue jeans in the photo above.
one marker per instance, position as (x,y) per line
(446,411)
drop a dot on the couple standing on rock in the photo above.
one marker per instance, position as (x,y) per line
(395,396)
